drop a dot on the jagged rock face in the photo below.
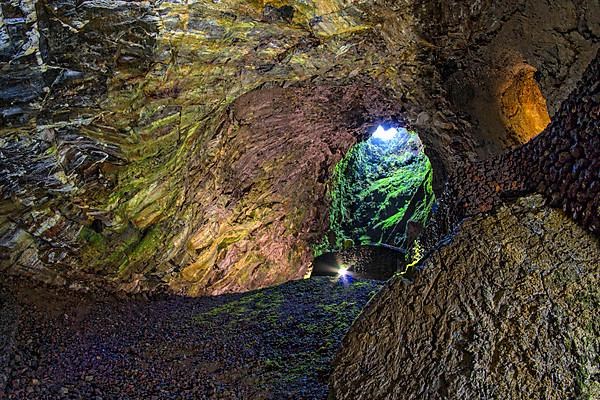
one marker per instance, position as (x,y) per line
(130,153)
(153,144)
(507,309)
(486,49)
(562,163)
(261,198)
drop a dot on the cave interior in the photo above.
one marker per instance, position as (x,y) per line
(299,199)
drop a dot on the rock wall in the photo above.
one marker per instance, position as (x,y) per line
(485,47)
(504,306)
(121,148)
(261,199)
(507,310)
(562,163)
(132,154)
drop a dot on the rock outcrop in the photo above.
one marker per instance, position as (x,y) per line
(562,163)
(492,56)
(129,156)
(505,306)
(508,309)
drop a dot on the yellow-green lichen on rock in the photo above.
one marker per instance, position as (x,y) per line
(191,184)
(196,139)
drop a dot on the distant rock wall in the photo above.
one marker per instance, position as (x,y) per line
(260,200)
(563,163)
(506,310)
(484,47)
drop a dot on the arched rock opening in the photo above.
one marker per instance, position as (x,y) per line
(380,200)
(381,192)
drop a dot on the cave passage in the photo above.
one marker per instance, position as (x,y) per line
(381,192)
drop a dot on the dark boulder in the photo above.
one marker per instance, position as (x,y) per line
(507,310)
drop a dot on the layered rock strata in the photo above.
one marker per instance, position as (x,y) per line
(120,158)
(188,146)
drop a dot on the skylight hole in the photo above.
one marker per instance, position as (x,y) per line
(381,192)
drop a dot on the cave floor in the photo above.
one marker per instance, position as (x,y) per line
(275,343)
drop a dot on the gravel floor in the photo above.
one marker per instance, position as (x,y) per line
(275,343)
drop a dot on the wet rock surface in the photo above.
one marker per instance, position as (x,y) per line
(275,343)
(507,309)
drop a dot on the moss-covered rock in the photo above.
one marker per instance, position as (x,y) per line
(376,190)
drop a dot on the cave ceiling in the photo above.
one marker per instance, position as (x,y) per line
(188,145)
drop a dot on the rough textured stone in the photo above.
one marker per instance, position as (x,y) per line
(272,344)
(9,320)
(485,47)
(562,163)
(254,232)
(507,309)
(130,156)
(119,142)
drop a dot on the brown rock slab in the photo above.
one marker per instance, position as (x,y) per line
(508,309)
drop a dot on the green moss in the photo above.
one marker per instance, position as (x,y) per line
(414,256)
(359,284)
(375,190)
(91,237)
(142,251)
(94,247)
(587,387)
(336,307)
(337,321)
(263,305)
(51,151)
